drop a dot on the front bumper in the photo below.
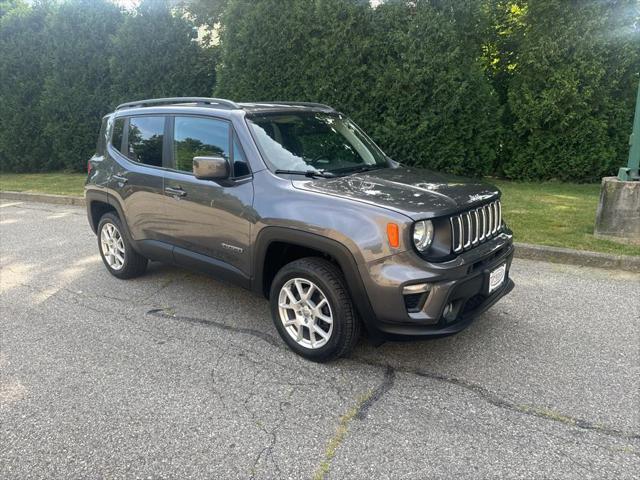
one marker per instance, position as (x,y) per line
(458,290)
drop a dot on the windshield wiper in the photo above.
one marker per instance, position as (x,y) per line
(308,173)
(357,169)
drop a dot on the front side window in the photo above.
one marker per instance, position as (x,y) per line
(145,140)
(199,137)
(314,141)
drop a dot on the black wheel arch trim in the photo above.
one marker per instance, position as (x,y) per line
(92,196)
(335,249)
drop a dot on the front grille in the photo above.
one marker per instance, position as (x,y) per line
(476,226)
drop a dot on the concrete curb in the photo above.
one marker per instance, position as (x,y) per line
(43,198)
(577,257)
(523,250)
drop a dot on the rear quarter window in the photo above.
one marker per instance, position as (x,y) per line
(118,132)
(102,140)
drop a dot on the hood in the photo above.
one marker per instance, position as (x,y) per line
(414,192)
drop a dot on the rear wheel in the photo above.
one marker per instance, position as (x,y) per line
(312,309)
(116,251)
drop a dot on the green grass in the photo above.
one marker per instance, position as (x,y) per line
(556,214)
(56,183)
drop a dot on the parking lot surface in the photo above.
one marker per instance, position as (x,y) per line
(176,375)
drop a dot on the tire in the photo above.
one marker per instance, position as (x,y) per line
(129,263)
(338,337)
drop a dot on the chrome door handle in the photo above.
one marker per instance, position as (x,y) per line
(119,179)
(178,192)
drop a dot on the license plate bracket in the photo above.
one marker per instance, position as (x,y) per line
(497,277)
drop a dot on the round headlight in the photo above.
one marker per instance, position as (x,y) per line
(423,234)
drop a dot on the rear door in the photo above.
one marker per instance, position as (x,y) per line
(138,152)
(206,217)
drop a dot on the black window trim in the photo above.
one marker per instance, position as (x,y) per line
(235,138)
(232,133)
(112,128)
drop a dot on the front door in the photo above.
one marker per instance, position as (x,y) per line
(203,217)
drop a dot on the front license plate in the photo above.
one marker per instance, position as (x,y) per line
(496,277)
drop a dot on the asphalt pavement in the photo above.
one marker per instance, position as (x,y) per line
(177,375)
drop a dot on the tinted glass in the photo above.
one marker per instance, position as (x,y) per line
(101,137)
(240,166)
(315,141)
(199,137)
(118,130)
(145,140)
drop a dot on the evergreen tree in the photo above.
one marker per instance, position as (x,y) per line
(156,54)
(77,86)
(571,92)
(22,70)
(405,71)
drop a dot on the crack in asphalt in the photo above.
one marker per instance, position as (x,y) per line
(163,313)
(386,385)
(359,412)
(500,402)
(390,375)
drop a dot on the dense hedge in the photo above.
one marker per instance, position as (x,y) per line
(523,89)
(63,66)
(573,93)
(406,75)
(528,89)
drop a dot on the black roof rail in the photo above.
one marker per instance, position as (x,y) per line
(302,104)
(179,100)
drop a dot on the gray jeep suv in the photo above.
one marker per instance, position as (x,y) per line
(292,200)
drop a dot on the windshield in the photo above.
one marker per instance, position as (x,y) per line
(314,141)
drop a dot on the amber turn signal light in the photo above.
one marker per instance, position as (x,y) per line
(393,234)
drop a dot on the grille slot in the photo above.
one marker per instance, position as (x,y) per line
(414,301)
(475,226)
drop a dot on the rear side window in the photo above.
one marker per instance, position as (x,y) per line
(145,137)
(118,132)
(199,137)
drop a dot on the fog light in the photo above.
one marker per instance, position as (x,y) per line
(449,313)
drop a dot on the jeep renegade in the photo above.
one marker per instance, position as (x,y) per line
(292,200)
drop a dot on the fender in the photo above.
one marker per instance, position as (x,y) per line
(95,195)
(339,252)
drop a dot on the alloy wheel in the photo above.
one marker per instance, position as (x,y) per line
(305,313)
(112,246)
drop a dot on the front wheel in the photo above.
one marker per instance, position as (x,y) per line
(312,309)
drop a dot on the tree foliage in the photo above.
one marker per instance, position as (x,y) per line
(76,88)
(64,65)
(571,92)
(405,71)
(22,41)
(528,89)
(155,54)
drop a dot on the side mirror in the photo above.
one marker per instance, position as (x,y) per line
(211,168)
